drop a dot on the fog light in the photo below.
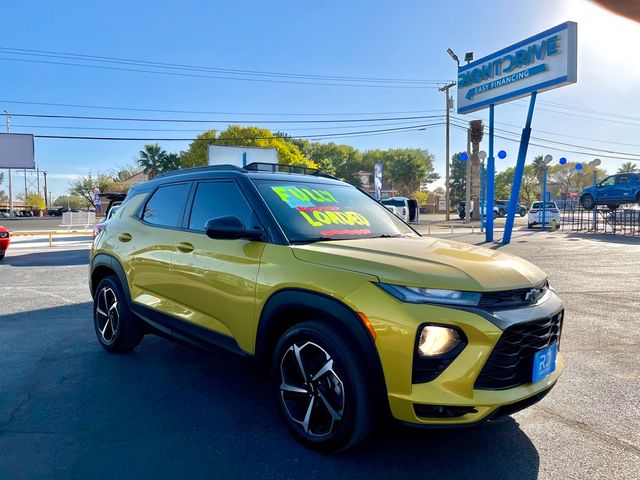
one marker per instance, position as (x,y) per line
(435,340)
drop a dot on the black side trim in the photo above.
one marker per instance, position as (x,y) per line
(184,331)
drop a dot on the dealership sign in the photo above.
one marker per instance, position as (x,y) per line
(542,62)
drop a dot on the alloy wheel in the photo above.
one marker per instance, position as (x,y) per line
(311,390)
(107,315)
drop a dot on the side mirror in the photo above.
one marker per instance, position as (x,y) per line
(230,228)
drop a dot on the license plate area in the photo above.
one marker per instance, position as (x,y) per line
(544,363)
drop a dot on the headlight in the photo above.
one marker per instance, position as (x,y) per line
(431,295)
(4,234)
(436,340)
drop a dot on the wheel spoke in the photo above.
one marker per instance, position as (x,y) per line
(334,414)
(307,415)
(104,329)
(327,367)
(99,311)
(290,388)
(296,351)
(104,297)
(114,306)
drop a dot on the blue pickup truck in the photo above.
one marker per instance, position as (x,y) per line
(613,191)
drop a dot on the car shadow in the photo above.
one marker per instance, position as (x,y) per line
(49,258)
(608,238)
(169,411)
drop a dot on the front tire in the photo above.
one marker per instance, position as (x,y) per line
(117,328)
(321,387)
(587,202)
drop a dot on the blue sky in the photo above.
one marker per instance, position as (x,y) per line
(401,39)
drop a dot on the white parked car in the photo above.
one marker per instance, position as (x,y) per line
(404,208)
(552,212)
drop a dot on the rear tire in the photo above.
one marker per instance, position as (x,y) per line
(530,225)
(117,328)
(587,202)
(1,256)
(321,387)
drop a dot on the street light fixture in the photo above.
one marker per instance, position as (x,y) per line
(454,56)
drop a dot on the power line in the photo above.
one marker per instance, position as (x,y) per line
(329,135)
(556,133)
(221,77)
(157,110)
(188,120)
(155,64)
(595,151)
(128,129)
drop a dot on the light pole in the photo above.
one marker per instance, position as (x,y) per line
(448,106)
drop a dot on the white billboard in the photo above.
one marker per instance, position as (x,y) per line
(542,62)
(16,151)
(241,156)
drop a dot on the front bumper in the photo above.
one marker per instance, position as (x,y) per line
(396,325)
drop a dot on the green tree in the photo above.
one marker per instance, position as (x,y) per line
(528,187)
(407,168)
(35,201)
(75,202)
(125,172)
(343,161)
(288,153)
(565,177)
(83,186)
(3,195)
(236,135)
(538,167)
(196,155)
(628,167)
(154,160)
(457,179)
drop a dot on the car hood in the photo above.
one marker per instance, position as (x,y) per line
(425,262)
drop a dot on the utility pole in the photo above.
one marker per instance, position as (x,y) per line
(10,181)
(38,180)
(448,105)
(46,197)
(468,208)
(26,190)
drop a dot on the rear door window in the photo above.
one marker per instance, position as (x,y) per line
(164,208)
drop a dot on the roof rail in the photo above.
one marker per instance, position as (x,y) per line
(279,168)
(206,168)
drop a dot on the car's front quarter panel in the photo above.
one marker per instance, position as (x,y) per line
(397,324)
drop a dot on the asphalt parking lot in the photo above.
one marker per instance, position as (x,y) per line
(68,409)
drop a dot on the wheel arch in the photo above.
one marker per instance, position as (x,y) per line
(288,307)
(104,265)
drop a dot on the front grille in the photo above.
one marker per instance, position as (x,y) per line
(511,361)
(512,298)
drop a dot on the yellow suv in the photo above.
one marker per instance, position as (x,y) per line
(355,313)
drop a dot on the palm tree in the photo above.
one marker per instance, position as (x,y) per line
(628,167)
(476,132)
(151,159)
(538,168)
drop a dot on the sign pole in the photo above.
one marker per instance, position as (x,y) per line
(467,199)
(491,173)
(517,176)
(544,196)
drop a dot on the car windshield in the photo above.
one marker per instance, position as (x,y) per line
(310,212)
(393,202)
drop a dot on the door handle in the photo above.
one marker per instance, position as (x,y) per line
(124,237)
(185,247)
